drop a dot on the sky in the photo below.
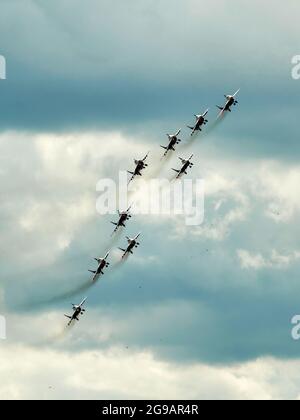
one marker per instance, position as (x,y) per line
(200,312)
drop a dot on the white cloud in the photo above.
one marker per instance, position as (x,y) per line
(50,188)
(274,260)
(125,373)
(56,192)
(278,185)
(234,191)
(227,203)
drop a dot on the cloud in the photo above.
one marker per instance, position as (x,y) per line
(51,375)
(257,261)
(235,192)
(55,179)
(278,184)
(251,261)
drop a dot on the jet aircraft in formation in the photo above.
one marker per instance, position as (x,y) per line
(200,121)
(102,263)
(78,310)
(132,243)
(123,217)
(140,165)
(230,101)
(173,141)
(185,165)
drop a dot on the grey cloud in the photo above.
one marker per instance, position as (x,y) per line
(142,68)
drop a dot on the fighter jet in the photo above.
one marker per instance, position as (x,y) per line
(140,165)
(185,165)
(173,140)
(132,243)
(200,120)
(78,310)
(123,217)
(102,263)
(230,101)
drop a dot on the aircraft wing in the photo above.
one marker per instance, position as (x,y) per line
(83,302)
(236,93)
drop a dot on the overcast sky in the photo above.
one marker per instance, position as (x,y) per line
(196,312)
